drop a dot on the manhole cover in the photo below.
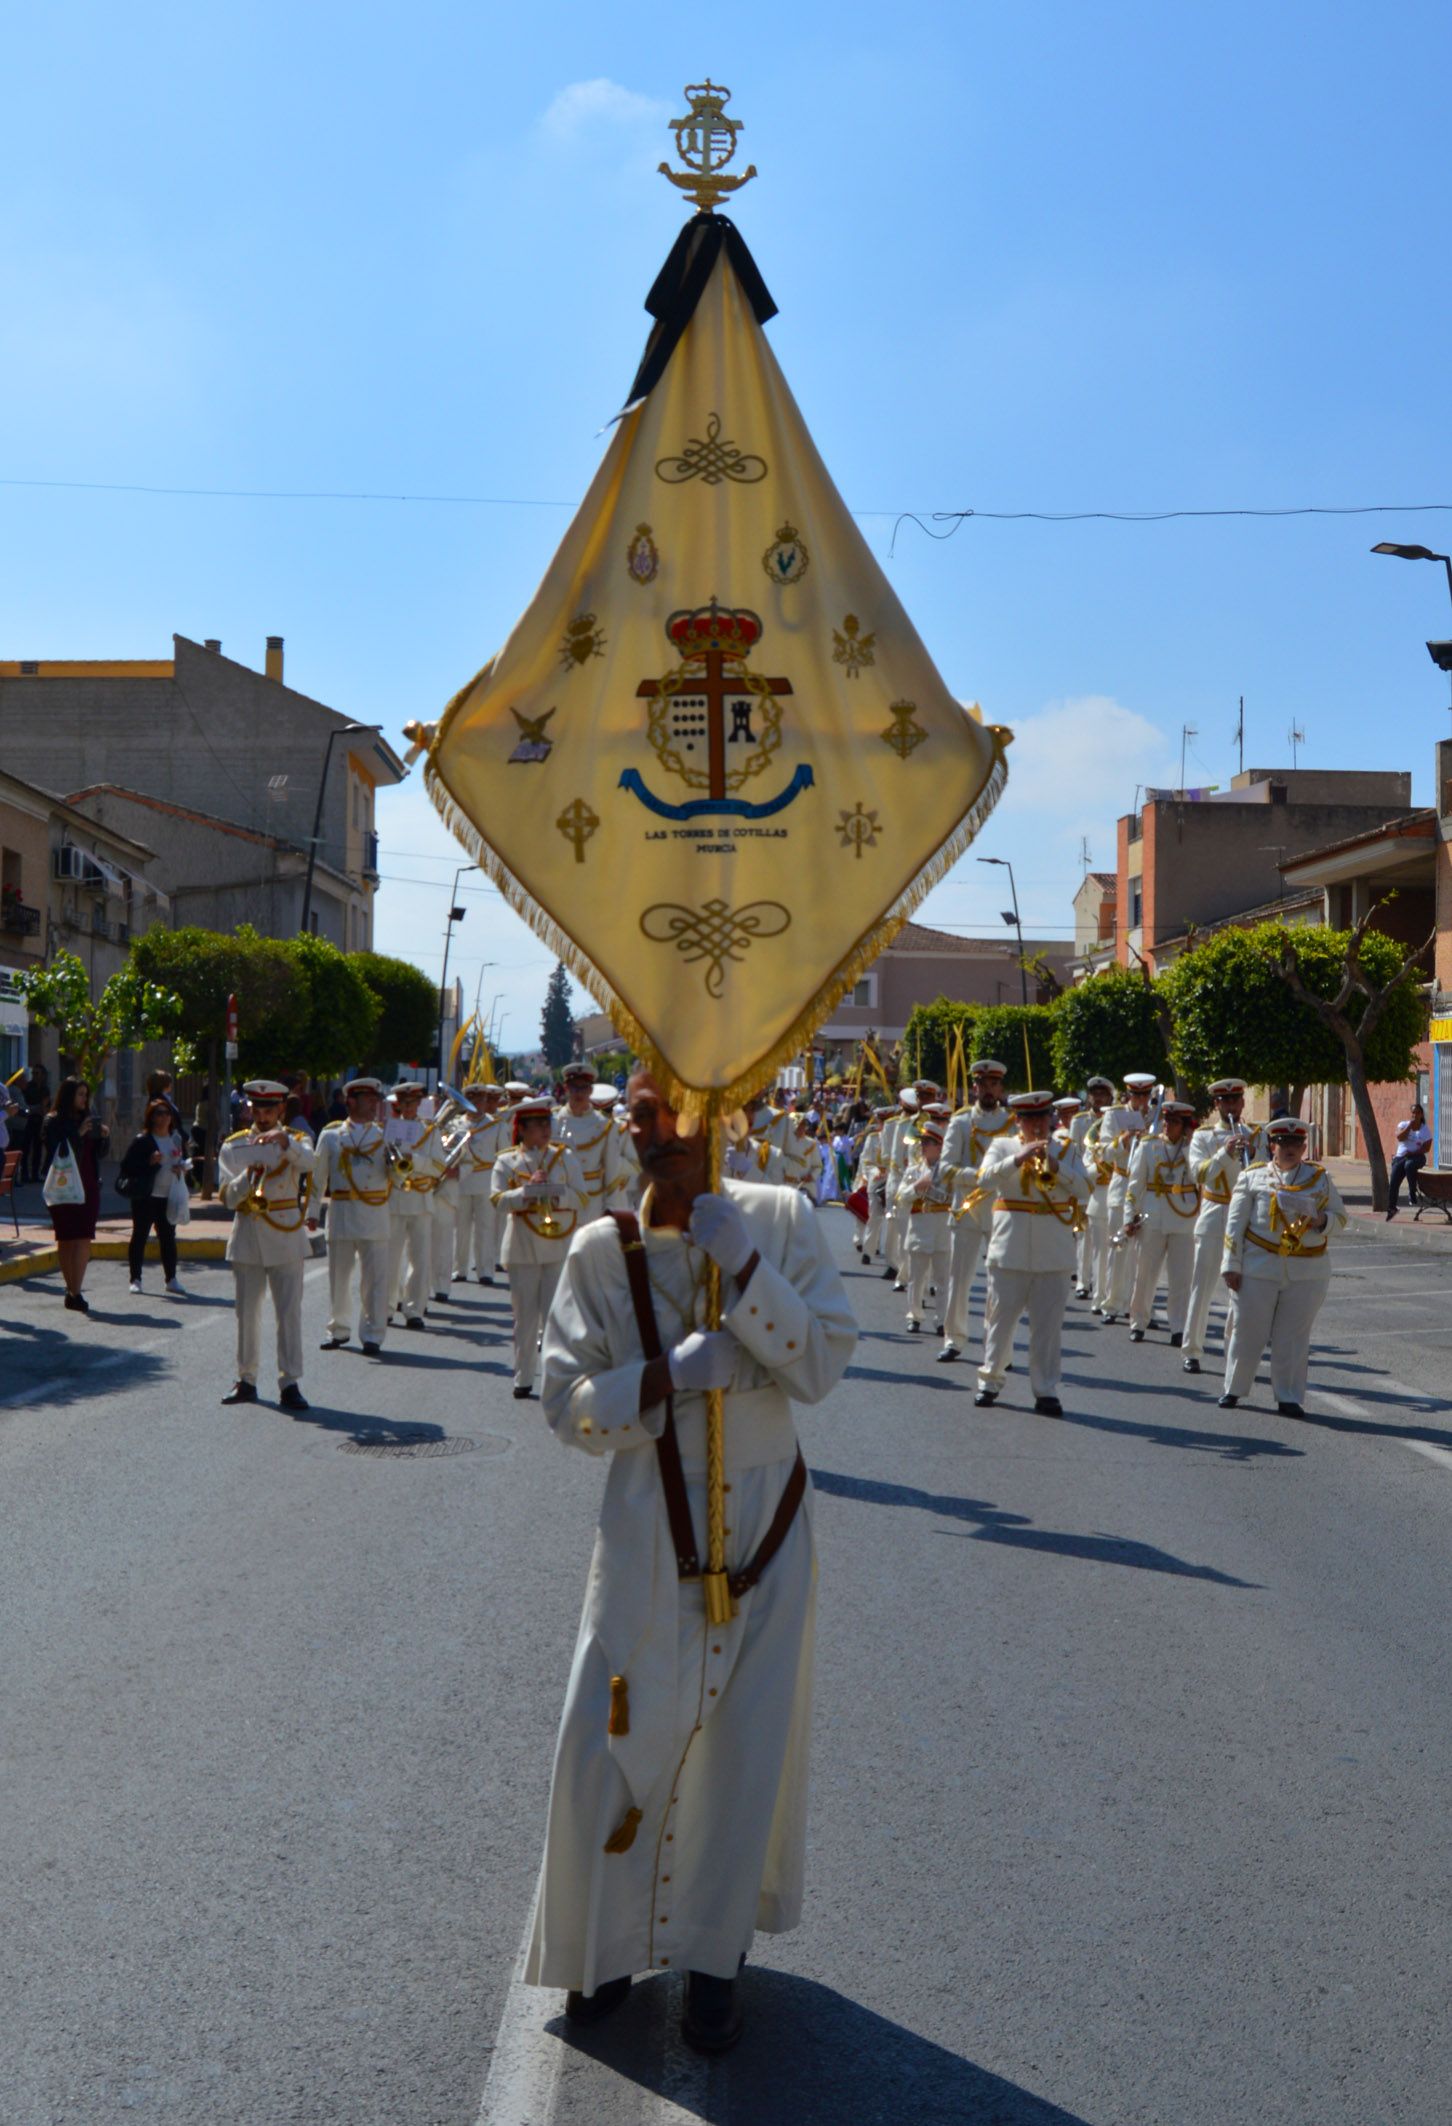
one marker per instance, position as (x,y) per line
(419,1450)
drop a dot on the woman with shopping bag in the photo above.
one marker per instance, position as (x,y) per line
(75,1144)
(153,1181)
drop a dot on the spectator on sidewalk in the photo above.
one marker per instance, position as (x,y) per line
(1414,1141)
(156,1159)
(71,1123)
(35,1098)
(158,1087)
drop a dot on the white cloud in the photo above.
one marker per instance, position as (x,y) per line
(1081,760)
(585,105)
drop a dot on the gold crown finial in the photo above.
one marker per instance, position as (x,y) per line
(706,142)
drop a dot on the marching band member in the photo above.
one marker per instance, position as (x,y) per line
(677,1820)
(263,1175)
(872,1173)
(927,1193)
(1161,1205)
(902,1153)
(410,1234)
(762,1155)
(592,1138)
(607,1102)
(447,1143)
(1220,1150)
(352,1171)
(1038,1187)
(476,1230)
(1117,1133)
(1092,1268)
(1281,1217)
(540,1187)
(970,1133)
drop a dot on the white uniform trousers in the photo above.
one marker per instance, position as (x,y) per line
(895,1246)
(285,1281)
(1123,1262)
(475,1229)
(414,1237)
(1101,1255)
(441,1243)
(926,1267)
(531,1289)
(1286,1314)
(872,1235)
(1045,1293)
(1205,1283)
(967,1246)
(1084,1257)
(371,1257)
(1174,1253)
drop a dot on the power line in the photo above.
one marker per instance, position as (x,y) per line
(956,518)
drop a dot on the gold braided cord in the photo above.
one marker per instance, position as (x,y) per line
(689,1099)
(719,1606)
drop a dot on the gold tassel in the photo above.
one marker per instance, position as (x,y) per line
(619,1722)
(622,1838)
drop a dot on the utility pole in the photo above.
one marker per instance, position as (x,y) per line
(1240,737)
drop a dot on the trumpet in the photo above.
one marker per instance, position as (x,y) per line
(400,1160)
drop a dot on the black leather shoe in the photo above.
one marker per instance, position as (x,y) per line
(889,1272)
(373,1350)
(984,1399)
(1048,1406)
(711,2020)
(414,1321)
(594,2007)
(1229,1402)
(947,1355)
(243,1392)
(1136,1336)
(1177,1337)
(1192,1365)
(486,1280)
(292,1398)
(333,1343)
(458,1278)
(1290,1410)
(522,1394)
(1081,1291)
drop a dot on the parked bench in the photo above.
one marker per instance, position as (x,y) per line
(1434,1193)
(9,1168)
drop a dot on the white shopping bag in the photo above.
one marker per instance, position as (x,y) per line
(63,1184)
(178,1201)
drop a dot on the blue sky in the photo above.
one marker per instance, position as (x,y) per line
(1034,258)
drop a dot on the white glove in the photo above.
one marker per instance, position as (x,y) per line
(704,1359)
(718,1227)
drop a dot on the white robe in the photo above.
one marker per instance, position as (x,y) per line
(715,1758)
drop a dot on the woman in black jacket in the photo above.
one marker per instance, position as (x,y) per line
(71,1123)
(151,1162)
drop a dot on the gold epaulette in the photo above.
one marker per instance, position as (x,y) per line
(238,1133)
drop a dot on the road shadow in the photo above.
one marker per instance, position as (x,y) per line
(911,1380)
(366,1429)
(1226,1445)
(110,1372)
(810,2057)
(992,1525)
(405,1353)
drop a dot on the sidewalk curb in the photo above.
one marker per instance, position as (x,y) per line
(1373,1231)
(38,1262)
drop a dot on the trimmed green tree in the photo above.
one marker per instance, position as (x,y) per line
(204,968)
(338,1018)
(129,1012)
(407,1029)
(1021,1037)
(557,1021)
(929,1035)
(1108,1025)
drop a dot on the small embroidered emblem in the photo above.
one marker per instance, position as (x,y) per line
(577,823)
(708,459)
(533,745)
(642,556)
(904,733)
(851,648)
(859,830)
(786,560)
(582,640)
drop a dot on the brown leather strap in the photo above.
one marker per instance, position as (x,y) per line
(667,1447)
(742,1582)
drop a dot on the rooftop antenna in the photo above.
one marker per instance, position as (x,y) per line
(1187,732)
(1086,854)
(1240,737)
(1297,737)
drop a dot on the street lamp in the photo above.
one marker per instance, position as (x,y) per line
(1439,652)
(344,731)
(1010,915)
(456,915)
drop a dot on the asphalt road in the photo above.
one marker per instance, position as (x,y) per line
(1132,1737)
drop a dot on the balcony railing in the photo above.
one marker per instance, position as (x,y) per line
(370,858)
(17,920)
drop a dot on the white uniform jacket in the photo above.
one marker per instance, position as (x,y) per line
(595,1142)
(1268,1209)
(352,1171)
(538,1230)
(485,1141)
(1085,1131)
(1217,1165)
(419,1143)
(797,1333)
(1163,1192)
(965,1145)
(269,1224)
(1034,1214)
(926,1194)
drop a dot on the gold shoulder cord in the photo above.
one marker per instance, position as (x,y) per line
(364,1195)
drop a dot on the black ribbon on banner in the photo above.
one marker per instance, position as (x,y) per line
(681,283)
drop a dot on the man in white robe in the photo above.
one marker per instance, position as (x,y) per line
(678,1804)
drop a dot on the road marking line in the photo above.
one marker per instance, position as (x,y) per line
(1347,1406)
